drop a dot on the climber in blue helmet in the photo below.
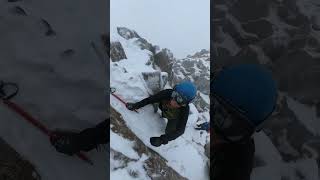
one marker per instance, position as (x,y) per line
(174,104)
(242,98)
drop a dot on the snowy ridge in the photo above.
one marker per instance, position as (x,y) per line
(125,77)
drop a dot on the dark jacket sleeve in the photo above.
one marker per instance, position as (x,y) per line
(92,137)
(232,161)
(162,95)
(181,126)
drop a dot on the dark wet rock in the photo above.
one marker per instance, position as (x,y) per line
(144,44)
(117,52)
(164,60)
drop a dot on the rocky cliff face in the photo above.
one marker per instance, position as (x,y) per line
(283,35)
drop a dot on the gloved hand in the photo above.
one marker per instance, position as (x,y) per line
(132,106)
(66,142)
(158,141)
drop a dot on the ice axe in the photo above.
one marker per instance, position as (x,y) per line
(5,98)
(113,90)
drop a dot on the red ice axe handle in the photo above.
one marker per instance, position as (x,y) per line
(37,124)
(116,96)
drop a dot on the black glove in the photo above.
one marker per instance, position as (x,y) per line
(71,143)
(66,142)
(157,141)
(132,106)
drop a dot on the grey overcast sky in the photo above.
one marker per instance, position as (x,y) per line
(183,26)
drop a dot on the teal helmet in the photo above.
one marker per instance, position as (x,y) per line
(187,90)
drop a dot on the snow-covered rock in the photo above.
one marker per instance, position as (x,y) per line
(155,81)
(164,60)
(116,51)
(127,33)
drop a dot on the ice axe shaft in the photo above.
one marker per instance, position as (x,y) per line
(116,96)
(38,125)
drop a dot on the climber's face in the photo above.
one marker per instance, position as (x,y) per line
(174,104)
(232,125)
(177,100)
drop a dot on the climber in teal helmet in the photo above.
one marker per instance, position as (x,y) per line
(174,104)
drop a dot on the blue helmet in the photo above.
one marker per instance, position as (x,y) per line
(248,88)
(187,90)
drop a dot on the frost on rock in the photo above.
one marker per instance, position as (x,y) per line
(155,81)
(164,60)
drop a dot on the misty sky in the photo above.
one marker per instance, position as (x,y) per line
(183,26)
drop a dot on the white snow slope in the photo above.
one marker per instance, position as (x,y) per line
(62,92)
(186,153)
